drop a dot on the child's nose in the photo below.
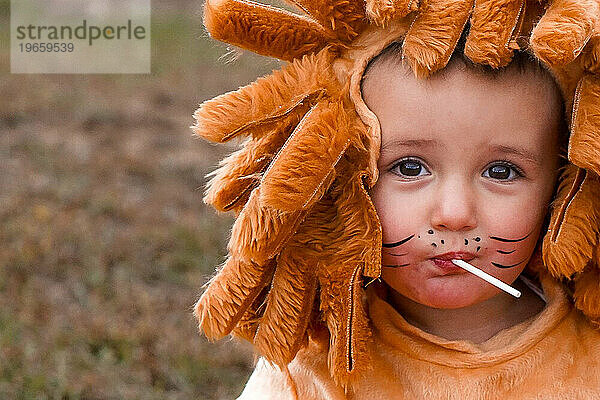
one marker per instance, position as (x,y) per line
(454,207)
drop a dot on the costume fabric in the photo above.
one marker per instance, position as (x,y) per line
(553,355)
(307,238)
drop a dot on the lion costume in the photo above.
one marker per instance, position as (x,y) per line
(307,238)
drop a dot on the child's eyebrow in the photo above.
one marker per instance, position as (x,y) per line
(498,148)
(408,143)
(517,151)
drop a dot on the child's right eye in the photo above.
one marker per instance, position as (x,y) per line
(409,168)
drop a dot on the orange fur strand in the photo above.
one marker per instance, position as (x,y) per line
(494,26)
(431,39)
(264,29)
(573,233)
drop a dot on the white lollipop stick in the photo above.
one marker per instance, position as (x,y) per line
(487,277)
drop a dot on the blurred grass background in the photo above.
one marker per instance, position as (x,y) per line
(105,241)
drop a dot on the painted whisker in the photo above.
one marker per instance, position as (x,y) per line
(396,266)
(389,245)
(507,266)
(505,252)
(510,240)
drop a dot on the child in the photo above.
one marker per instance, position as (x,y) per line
(460,166)
(461,181)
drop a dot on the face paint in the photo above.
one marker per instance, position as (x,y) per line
(389,245)
(503,252)
(397,266)
(414,258)
(509,240)
(396,244)
(453,198)
(508,266)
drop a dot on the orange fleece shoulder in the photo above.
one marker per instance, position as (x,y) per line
(554,355)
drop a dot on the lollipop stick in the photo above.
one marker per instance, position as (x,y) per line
(487,277)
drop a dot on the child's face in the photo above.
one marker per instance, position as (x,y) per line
(467,164)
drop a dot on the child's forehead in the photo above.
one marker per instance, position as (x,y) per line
(464,109)
(463,94)
(458,72)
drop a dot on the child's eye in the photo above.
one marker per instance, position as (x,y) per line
(503,171)
(409,168)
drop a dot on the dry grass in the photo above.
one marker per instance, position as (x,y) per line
(105,240)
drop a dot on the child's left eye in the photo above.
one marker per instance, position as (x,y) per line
(409,168)
(503,171)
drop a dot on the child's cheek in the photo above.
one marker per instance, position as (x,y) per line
(400,226)
(512,234)
(398,247)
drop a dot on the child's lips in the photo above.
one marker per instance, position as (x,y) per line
(455,255)
(444,261)
(447,266)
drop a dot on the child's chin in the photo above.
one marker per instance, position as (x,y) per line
(454,291)
(449,304)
